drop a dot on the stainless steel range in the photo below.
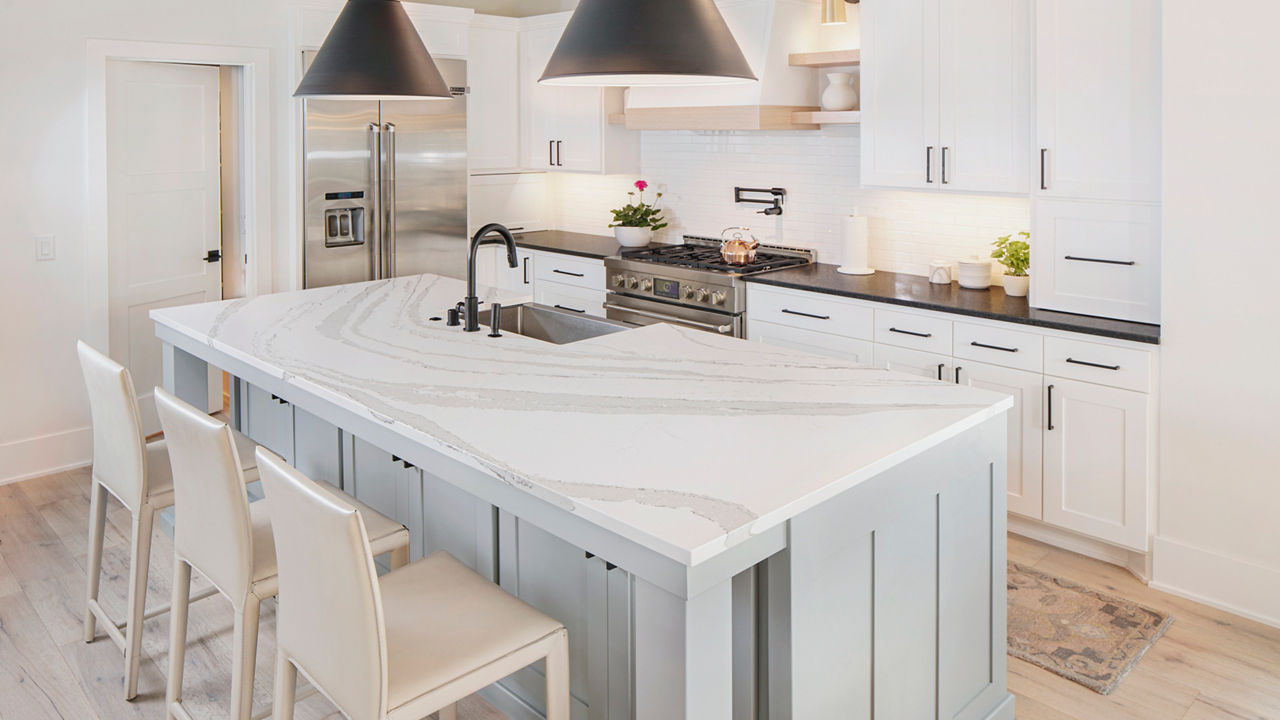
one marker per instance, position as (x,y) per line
(689,284)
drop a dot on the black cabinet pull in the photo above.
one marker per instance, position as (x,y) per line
(525,263)
(551,152)
(1086,363)
(407,465)
(940,367)
(559,155)
(562,307)
(958,369)
(928,164)
(1100,260)
(944,164)
(1050,407)
(911,333)
(566,272)
(1044,153)
(805,314)
(975,343)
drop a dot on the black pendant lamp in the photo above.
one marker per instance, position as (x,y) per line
(654,42)
(373,52)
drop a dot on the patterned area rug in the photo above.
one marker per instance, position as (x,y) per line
(1079,633)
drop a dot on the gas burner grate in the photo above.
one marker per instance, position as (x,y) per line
(702,257)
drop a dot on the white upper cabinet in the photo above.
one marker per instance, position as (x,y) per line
(1098,99)
(945,94)
(493,107)
(567,128)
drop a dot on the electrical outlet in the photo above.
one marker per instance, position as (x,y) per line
(45,248)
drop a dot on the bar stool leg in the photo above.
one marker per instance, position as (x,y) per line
(97,527)
(245,661)
(558,678)
(143,520)
(286,687)
(177,635)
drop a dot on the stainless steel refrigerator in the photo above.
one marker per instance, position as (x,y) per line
(385,186)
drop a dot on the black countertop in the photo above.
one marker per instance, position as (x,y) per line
(917,291)
(569,243)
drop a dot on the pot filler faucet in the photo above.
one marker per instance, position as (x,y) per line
(471,305)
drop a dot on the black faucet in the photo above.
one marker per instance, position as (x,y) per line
(471,305)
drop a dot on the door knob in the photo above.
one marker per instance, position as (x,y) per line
(213,256)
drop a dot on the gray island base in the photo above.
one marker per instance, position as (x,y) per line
(729,531)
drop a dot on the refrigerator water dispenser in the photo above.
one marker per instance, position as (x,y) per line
(343,226)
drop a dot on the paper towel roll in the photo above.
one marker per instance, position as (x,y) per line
(856,246)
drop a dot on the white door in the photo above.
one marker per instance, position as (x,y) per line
(985,90)
(163,209)
(1098,99)
(900,142)
(1026,423)
(915,362)
(1095,461)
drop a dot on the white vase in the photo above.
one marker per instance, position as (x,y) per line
(1017,286)
(839,94)
(633,236)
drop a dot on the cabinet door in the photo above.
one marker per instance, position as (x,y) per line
(570,297)
(317,448)
(493,113)
(1026,420)
(930,365)
(900,141)
(985,90)
(496,272)
(818,343)
(387,485)
(1098,98)
(561,125)
(270,422)
(1097,259)
(1096,461)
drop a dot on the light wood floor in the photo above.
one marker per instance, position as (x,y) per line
(1209,665)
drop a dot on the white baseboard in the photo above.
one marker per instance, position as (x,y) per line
(45,455)
(1131,560)
(1219,581)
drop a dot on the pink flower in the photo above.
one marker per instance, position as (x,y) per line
(641,185)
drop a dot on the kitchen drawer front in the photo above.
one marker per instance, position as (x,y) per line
(916,332)
(818,343)
(999,346)
(1097,363)
(811,311)
(569,297)
(569,270)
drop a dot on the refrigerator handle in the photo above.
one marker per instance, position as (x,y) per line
(375,174)
(390,199)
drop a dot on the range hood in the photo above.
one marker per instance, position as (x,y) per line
(768,31)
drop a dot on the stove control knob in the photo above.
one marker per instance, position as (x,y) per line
(688,292)
(632,282)
(646,285)
(718,297)
(702,294)
(618,280)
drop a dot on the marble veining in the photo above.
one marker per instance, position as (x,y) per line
(683,441)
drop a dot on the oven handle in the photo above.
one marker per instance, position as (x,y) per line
(722,329)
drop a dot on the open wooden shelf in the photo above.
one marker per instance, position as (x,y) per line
(826,58)
(826,117)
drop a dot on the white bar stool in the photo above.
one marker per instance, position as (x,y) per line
(220,534)
(399,647)
(137,473)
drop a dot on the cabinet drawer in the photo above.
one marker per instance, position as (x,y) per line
(818,343)
(999,346)
(569,270)
(570,297)
(810,311)
(1096,363)
(917,332)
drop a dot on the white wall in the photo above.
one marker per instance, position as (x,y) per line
(697,171)
(1219,499)
(42,192)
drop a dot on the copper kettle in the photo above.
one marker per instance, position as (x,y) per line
(737,250)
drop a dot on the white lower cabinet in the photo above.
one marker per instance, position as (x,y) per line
(1096,460)
(818,343)
(915,362)
(1026,424)
(570,297)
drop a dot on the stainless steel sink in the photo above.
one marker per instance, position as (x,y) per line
(552,325)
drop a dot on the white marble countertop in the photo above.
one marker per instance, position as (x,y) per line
(683,441)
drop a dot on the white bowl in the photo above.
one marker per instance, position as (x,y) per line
(974,274)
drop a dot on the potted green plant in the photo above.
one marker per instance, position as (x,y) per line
(633,224)
(1015,255)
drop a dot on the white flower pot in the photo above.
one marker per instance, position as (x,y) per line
(1017,286)
(633,236)
(839,94)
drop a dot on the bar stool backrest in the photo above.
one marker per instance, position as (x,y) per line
(330,621)
(119,457)
(212,530)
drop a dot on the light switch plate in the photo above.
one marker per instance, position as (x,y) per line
(45,249)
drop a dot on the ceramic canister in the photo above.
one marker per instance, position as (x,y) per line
(975,274)
(940,272)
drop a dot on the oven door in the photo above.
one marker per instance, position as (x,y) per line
(639,311)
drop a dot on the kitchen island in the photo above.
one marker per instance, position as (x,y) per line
(728,530)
